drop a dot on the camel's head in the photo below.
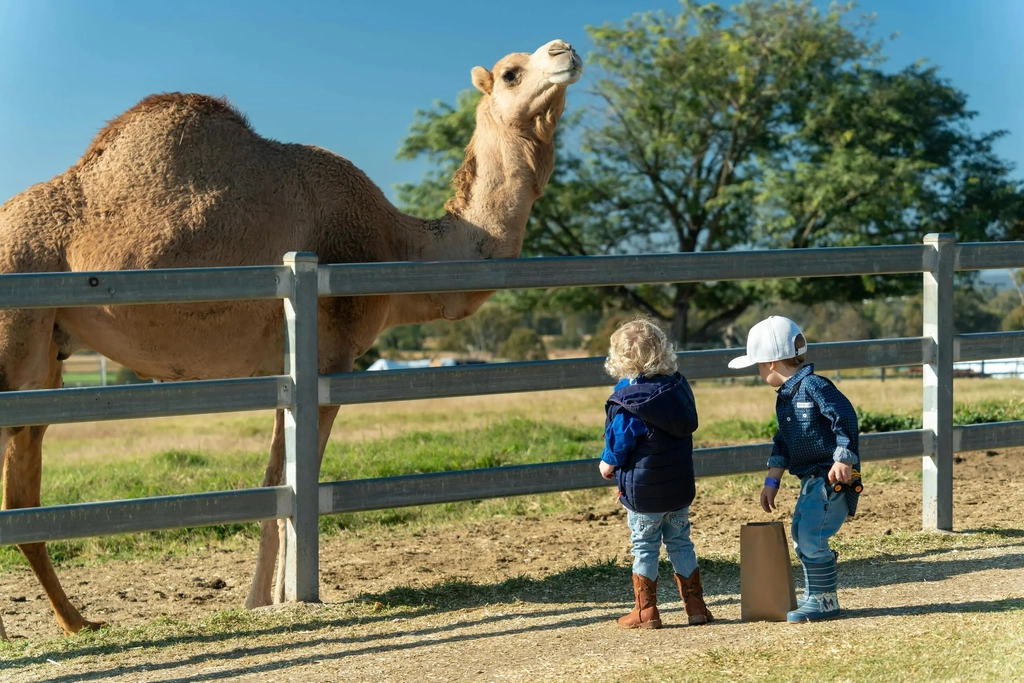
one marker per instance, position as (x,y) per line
(524,96)
(527,91)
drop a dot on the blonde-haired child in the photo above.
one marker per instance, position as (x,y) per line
(649,421)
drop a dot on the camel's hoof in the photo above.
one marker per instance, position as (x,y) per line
(88,626)
(257,603)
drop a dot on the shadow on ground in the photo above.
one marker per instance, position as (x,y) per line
(376,643)
(611,582)
(590,591)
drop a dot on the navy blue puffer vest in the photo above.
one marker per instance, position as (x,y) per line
(658,477)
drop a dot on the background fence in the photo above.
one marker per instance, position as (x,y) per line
(300,390)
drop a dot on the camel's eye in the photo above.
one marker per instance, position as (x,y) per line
(510,76)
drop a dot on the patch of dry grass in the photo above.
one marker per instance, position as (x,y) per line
(246,432)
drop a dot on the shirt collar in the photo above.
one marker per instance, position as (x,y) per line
(789,386)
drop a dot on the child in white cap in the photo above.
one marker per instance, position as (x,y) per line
(817,442)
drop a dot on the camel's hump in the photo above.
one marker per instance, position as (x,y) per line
(193,103)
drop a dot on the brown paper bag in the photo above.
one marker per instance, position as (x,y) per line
(766,576)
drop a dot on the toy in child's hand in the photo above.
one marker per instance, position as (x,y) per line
(855,484)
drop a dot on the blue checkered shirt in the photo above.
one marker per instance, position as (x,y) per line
(817,427)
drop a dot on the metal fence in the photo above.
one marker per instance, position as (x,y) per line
(300,390)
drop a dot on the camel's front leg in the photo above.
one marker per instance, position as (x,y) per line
(22,468)
(22,472)
(273,533)
(5,436)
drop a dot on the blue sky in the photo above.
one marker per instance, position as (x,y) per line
(348,76)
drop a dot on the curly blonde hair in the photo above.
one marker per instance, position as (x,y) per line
(640,347)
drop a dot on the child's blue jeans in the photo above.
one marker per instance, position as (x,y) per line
(648,530)
(819,513)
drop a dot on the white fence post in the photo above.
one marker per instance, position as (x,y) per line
(937,376)
(302,462)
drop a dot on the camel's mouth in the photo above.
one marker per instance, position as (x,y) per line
(566,76)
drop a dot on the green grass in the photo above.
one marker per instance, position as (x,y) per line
(977,412)
(515,441)
(738,430)
(85,379)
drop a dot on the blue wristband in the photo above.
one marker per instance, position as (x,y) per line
(772,482)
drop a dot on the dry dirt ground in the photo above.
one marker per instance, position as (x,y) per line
(547,625)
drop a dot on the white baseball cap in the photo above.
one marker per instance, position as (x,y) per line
(774,338)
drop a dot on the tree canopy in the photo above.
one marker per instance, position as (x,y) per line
(770,124)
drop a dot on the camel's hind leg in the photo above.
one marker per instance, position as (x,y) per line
(273,532)
(262,580)
(28,360)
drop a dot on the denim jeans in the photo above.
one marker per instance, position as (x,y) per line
(819,513)
(648,530)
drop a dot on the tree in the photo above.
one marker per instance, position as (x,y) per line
(770,124)
(402,338)
(1016,277)
(523,344)
(1014,320)
(367,359)
(972,311)
(483,331)
(599,343)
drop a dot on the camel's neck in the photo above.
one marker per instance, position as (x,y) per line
(495,190)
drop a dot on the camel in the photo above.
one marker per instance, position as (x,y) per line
(182,181)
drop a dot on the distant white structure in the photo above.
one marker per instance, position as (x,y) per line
(1000,368)
(387,364)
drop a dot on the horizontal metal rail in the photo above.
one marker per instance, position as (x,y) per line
(381,493)
(989,255)
(172,285)
(181,285)
(62,522)
(88,404)
(988,345)
(361,279)
(446,487)
(212,396)
(500,378)
(983,437)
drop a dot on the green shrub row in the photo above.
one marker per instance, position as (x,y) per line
(981,412)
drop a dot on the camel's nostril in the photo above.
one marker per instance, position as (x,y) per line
(559,48)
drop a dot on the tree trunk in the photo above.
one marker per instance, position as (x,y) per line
(680,317)
(1013,278)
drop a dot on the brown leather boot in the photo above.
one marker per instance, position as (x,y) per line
(645,612)
(692,594)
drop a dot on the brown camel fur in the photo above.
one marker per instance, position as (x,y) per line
(181,180)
